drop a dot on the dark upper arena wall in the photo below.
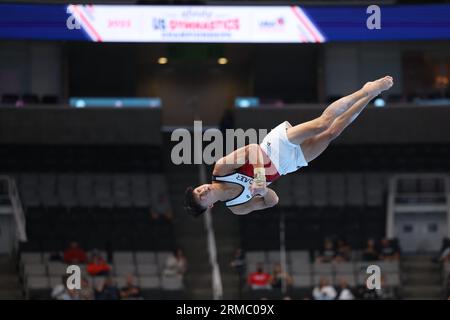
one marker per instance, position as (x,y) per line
(80,126)
(394,125)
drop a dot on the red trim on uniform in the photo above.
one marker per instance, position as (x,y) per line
(271,171)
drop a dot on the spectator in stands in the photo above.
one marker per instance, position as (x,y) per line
(328,253)
(370,253)
(278,276)
(60,291)
(107,291)
(55,256)
(74,254)
(97,266)
(387,292)
(131,291)
(161,208)
(444,256)
(238,262)
(86,291)
(176,264)
(324,291)
(259,279)
(239,265)
(364,293)
(344,292)
(343,251)
(388,251)
(448,288)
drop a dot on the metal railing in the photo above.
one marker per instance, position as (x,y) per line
(16,204)
(217,287)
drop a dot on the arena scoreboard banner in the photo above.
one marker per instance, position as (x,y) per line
(223,24)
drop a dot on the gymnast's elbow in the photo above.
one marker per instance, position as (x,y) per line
(271,201)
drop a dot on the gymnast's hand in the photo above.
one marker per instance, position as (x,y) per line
(258,188)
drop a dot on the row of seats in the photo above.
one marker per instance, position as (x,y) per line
(353,279)
(305,228)
(118,257)
(128,237)
(92,190)
(332,189)
(80,158)
(39,273)
(305,273)
(152,286)
(51,229)
(383,158)
(105,211)
(446,272)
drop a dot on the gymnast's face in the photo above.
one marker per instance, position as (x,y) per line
(204,195)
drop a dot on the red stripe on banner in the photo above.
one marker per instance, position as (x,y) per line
(91,28)
(313,27)
(305,23)
(302,37)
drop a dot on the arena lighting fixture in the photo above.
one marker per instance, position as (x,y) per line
(246,102)
(115,102)
(162,60)
(379,102)
(222,60)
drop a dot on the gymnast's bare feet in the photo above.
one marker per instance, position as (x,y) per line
(374,88)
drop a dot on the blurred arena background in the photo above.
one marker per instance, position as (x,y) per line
(87,178)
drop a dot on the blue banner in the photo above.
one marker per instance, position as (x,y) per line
(223,24)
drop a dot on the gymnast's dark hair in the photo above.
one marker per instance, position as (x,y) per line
(190,203)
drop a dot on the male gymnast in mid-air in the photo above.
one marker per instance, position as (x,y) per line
(240,179)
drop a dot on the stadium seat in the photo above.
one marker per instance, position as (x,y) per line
(56,268)
(348,277)
(30,257)
(255,257)
(171,283)
(120,281)
(355,191)
(302,256)
(147,269)
(34,269)
(344,268)
(123,257)
(317,277)
(143,257)
(301,190)
(389,267)
(337,190)
(322,268)
(319,190)
(301,281)
(300,267)
(37,287)
(392,279)
(150,282)
(124,269)
(54,281)
(162,257)
(273,256)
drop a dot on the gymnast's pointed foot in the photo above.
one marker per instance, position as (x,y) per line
(374,88)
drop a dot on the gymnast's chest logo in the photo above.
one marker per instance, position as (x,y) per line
(269,148)
(243,179)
